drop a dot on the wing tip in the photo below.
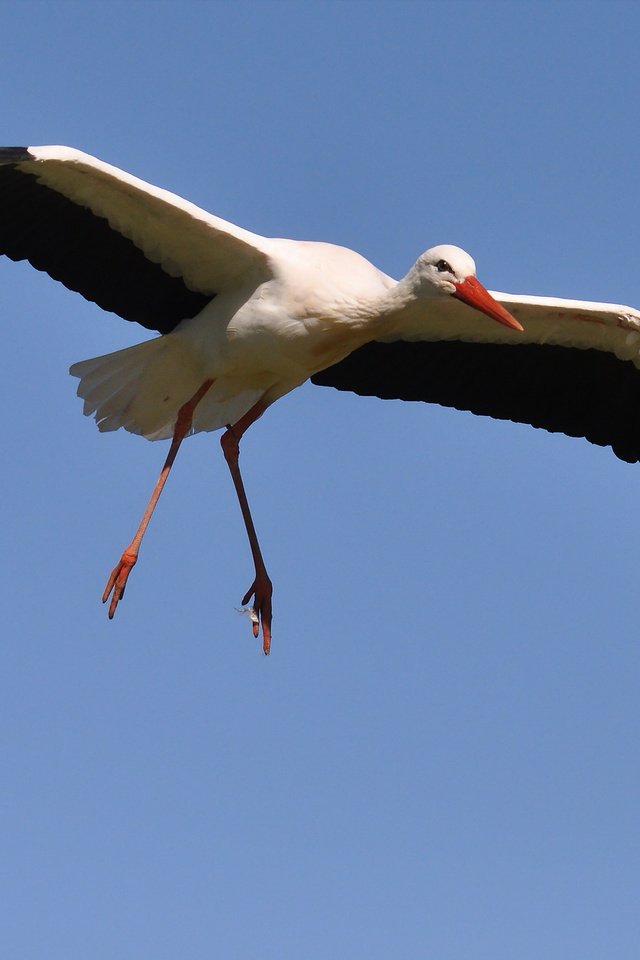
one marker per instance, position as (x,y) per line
(15,154)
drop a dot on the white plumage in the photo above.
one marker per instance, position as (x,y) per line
(245,319)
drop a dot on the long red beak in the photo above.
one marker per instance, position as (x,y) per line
(472,292)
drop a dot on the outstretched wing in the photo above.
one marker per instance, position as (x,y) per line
(141,252)
(575,370)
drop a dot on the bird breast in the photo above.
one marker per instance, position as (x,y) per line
(318,307)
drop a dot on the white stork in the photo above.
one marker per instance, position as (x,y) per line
(244,319)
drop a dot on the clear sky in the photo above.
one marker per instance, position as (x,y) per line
(440,758)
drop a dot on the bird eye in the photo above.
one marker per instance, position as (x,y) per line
(443,267)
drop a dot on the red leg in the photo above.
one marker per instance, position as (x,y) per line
(120,573)
(261,589)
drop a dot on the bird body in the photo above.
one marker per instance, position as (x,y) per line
(244,319)
(260,338)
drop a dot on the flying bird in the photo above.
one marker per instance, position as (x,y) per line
(244,319)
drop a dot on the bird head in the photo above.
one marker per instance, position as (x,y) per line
(448,271)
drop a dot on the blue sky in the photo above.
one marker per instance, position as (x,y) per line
(440,757)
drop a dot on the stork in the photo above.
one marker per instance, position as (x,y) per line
(244,319)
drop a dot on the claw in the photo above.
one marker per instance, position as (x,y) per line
(118,581)
(260,613)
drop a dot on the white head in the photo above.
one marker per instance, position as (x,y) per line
(444,265)
(448,271)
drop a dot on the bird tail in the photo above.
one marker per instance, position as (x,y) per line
(143,387)
(140,388)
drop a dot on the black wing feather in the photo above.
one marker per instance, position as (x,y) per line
(85,253)
(582,393)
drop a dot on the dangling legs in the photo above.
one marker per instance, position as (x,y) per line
(261,588)
(118,579)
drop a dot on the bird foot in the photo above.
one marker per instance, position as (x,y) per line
(118,580)
(260,611)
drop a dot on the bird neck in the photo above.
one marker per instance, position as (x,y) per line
(401,304)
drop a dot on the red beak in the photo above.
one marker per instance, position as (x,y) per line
(472,292)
